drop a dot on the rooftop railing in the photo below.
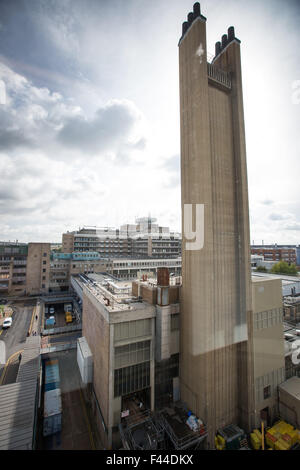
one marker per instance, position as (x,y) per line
(218,75)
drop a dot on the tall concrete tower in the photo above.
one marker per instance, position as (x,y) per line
(216,358)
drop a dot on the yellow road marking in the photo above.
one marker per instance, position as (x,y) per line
(87,421)
(7,364)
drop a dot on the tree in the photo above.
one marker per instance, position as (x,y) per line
(261,269)
(282,267)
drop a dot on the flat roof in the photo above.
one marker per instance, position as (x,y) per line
(292,387)
(17,414)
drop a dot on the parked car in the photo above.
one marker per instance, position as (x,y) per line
(7,323)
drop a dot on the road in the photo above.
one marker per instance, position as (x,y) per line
(15,336)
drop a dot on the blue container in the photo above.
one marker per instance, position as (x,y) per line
(52,386)
(52,377)
(52,425)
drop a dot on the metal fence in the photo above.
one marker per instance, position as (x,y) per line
(61,329)
(59,347)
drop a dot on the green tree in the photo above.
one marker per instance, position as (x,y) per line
(261,269)
(282,267)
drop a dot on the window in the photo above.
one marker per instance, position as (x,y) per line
(44,278)
(43,286)
(45,254)
(131,379)
(175,321)
(44,270)
(133,329)
(44,262)
(132,354)
(267,392)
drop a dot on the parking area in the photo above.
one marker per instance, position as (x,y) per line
(77,431)
(58,311)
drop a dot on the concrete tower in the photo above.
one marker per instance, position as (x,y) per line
(216,358)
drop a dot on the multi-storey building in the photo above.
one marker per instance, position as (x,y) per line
(13,262)
(64,265)
(276,253)
(24,268)
(268,347)
(145,239)
(216,369)
(135,268)
(135,346)
(133,332)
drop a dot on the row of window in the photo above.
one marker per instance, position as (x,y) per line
(268,318)
(133,329)
(131,379)
(133,353)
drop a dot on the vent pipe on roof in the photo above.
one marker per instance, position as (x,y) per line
(218,47)
(190,17)
(224,41)
(231,34)
(197,9)
(185,27)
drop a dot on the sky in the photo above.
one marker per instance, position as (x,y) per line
(89,113)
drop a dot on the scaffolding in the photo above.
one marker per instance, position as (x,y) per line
(141,432)
(162,430)
(173,421)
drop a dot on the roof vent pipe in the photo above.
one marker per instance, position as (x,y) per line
(185,27)
(231,34)
(190,17)
(218,47)
(197,10)
(224,41)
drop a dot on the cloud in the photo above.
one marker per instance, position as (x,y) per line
(295,226)
(110,130)
(172,163)
(277,216)
(267,202)
(42,120)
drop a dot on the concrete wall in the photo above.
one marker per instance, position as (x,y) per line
(268,344)
(67,243)
(216,371)
(38,268)
(96,331)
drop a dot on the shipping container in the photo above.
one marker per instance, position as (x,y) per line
(51,386)
(52,412)
(52,403)
(52,374)
(52,398)
(52,425)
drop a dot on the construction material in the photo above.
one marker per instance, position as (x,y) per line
(282,436)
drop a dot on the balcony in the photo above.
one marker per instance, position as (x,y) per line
(218,76)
